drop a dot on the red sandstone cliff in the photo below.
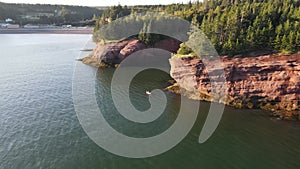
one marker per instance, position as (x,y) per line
(112,54)
(269,82)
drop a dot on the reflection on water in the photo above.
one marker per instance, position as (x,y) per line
(39,127)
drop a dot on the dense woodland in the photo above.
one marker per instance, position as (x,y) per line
(233,26)
(62,14)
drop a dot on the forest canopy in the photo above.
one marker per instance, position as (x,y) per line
(233,26)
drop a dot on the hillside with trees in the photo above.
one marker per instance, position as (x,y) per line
(48,14)
(233,26)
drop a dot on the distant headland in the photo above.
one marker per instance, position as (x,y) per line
(75,30)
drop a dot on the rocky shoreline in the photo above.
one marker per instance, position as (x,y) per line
(269,82)
(111,54)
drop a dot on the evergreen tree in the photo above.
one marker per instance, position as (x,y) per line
(233,26)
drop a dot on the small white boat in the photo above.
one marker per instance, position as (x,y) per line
(148,93)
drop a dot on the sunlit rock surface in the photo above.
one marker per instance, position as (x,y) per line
(270,82)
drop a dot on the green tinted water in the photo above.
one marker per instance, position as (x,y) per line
(39,127)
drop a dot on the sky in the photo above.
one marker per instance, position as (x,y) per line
(97,2)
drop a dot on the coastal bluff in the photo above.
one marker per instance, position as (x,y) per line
(112,54)
(269,82)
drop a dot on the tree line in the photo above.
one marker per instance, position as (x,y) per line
(233,26)
(60,14)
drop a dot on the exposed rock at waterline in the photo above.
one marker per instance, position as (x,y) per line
(112,54)
(270,82)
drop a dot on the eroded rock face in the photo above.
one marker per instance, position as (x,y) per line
(131,47)
(112,54)
(269,82)
(171,45)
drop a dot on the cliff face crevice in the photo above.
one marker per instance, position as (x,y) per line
(269,82)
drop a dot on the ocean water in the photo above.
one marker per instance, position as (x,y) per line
(39,128)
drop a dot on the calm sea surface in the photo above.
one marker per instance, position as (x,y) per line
(39,128)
